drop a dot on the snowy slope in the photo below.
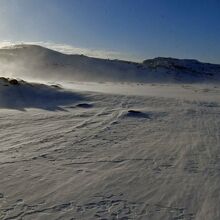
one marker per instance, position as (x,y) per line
(185,69)
(87,150)
(21,95)
(42,63)
(101,156)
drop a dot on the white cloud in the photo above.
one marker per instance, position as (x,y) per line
(69,49)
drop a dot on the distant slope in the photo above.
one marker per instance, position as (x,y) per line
(39,62)
(185,69)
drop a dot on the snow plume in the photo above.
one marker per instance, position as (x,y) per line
(26,61)
(71,49)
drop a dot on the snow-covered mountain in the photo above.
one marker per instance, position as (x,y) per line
(185,69)
(39,62)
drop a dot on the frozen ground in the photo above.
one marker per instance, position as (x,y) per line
(89,157)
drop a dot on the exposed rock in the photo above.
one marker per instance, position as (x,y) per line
(13,81)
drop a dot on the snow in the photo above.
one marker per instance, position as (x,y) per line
(89,138)
(25,95)
(90,153)
(35,62)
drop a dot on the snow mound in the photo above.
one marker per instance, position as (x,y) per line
(18,94)
(141,114)
(137,114)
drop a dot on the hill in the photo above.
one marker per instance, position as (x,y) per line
(34,61)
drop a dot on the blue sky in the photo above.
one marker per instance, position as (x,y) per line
(137,28)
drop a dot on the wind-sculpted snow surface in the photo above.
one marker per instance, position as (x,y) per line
(31,61)
(114,157)
(15,94)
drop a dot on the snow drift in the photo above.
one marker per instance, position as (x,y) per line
(16,94)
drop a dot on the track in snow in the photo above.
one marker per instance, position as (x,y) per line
(99,163)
